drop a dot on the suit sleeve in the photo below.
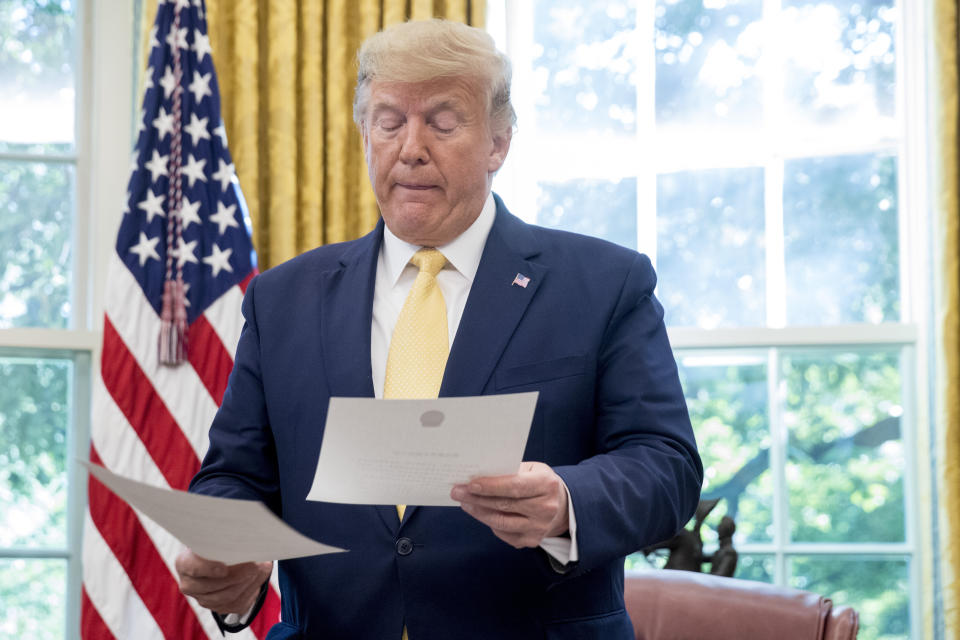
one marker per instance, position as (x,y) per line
(241,461)
(644,484)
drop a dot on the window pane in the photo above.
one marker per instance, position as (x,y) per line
(841,246)
(32,599)
(584,64)
(639,562)
(727,399)
(573,206)
(845,457)
(878,588)
(757,567)
(710,247)
(708,57)
(36,71)
(34,416)
(36,225)
(840,69)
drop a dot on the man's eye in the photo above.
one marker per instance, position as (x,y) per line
(389,125)
(444,123)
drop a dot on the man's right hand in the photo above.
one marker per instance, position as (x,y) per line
(220,588)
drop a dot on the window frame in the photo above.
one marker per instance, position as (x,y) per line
(511,22)
(103,51)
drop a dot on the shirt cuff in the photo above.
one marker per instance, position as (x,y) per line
(235,619)
(564,549)
(235,622)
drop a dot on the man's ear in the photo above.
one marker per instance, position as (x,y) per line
(498,154)
(364,137)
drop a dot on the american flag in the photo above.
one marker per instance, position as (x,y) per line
(521,280)
(182,262)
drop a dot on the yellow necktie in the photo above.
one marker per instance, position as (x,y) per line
(420,343)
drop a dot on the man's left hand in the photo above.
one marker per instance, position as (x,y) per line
(521,509)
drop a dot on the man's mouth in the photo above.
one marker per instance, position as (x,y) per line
(415,187)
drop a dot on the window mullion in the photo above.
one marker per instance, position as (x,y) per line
(773,120)
(80,311)
(909,441)
(776,289)
(916,267)
(646,172)
(829,548)
(520,190)
(778,447)
(78,441)
(50,158)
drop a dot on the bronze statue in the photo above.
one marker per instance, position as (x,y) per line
(723,562)
(686,548)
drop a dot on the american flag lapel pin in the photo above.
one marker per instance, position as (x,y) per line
(521,280)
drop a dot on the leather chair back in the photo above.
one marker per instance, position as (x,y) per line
(685,605)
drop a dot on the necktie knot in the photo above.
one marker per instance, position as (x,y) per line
(429,261)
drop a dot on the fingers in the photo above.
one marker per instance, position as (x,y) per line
(216,586)
(516,529)
(521,509)
(538,507)
(531,480)
(190,564)
(235,598)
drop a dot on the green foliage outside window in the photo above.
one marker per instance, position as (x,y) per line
(843,474)
(34,419)
(32,599)
(36,244)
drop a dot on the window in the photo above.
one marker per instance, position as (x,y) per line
(49,245)
(38,406)
(757,150)
(37,73)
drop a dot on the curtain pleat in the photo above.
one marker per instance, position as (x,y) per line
(421,9)
(946,190)
(236,57)
(311,114)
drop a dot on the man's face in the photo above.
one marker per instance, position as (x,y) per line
(431,157)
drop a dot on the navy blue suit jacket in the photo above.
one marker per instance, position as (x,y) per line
(586,332)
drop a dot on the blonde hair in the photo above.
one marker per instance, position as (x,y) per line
(424,50)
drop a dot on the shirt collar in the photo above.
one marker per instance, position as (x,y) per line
(463,253)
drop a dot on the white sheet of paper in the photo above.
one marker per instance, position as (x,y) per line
(412,452)
(223,529)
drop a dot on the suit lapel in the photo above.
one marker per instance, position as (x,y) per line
(495,306)
(347,309)
(345,329)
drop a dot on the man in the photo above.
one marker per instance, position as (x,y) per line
(610,465)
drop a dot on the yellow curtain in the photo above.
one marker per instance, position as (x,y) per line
(946,188)
(286,72)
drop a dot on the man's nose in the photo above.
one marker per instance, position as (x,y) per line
(414,145)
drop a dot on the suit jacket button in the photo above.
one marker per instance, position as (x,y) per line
(404,546)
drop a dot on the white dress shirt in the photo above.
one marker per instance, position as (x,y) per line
(395,276)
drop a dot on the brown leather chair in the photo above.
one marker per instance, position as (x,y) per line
(684,605)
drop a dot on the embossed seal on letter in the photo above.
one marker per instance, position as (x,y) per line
(432,418)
